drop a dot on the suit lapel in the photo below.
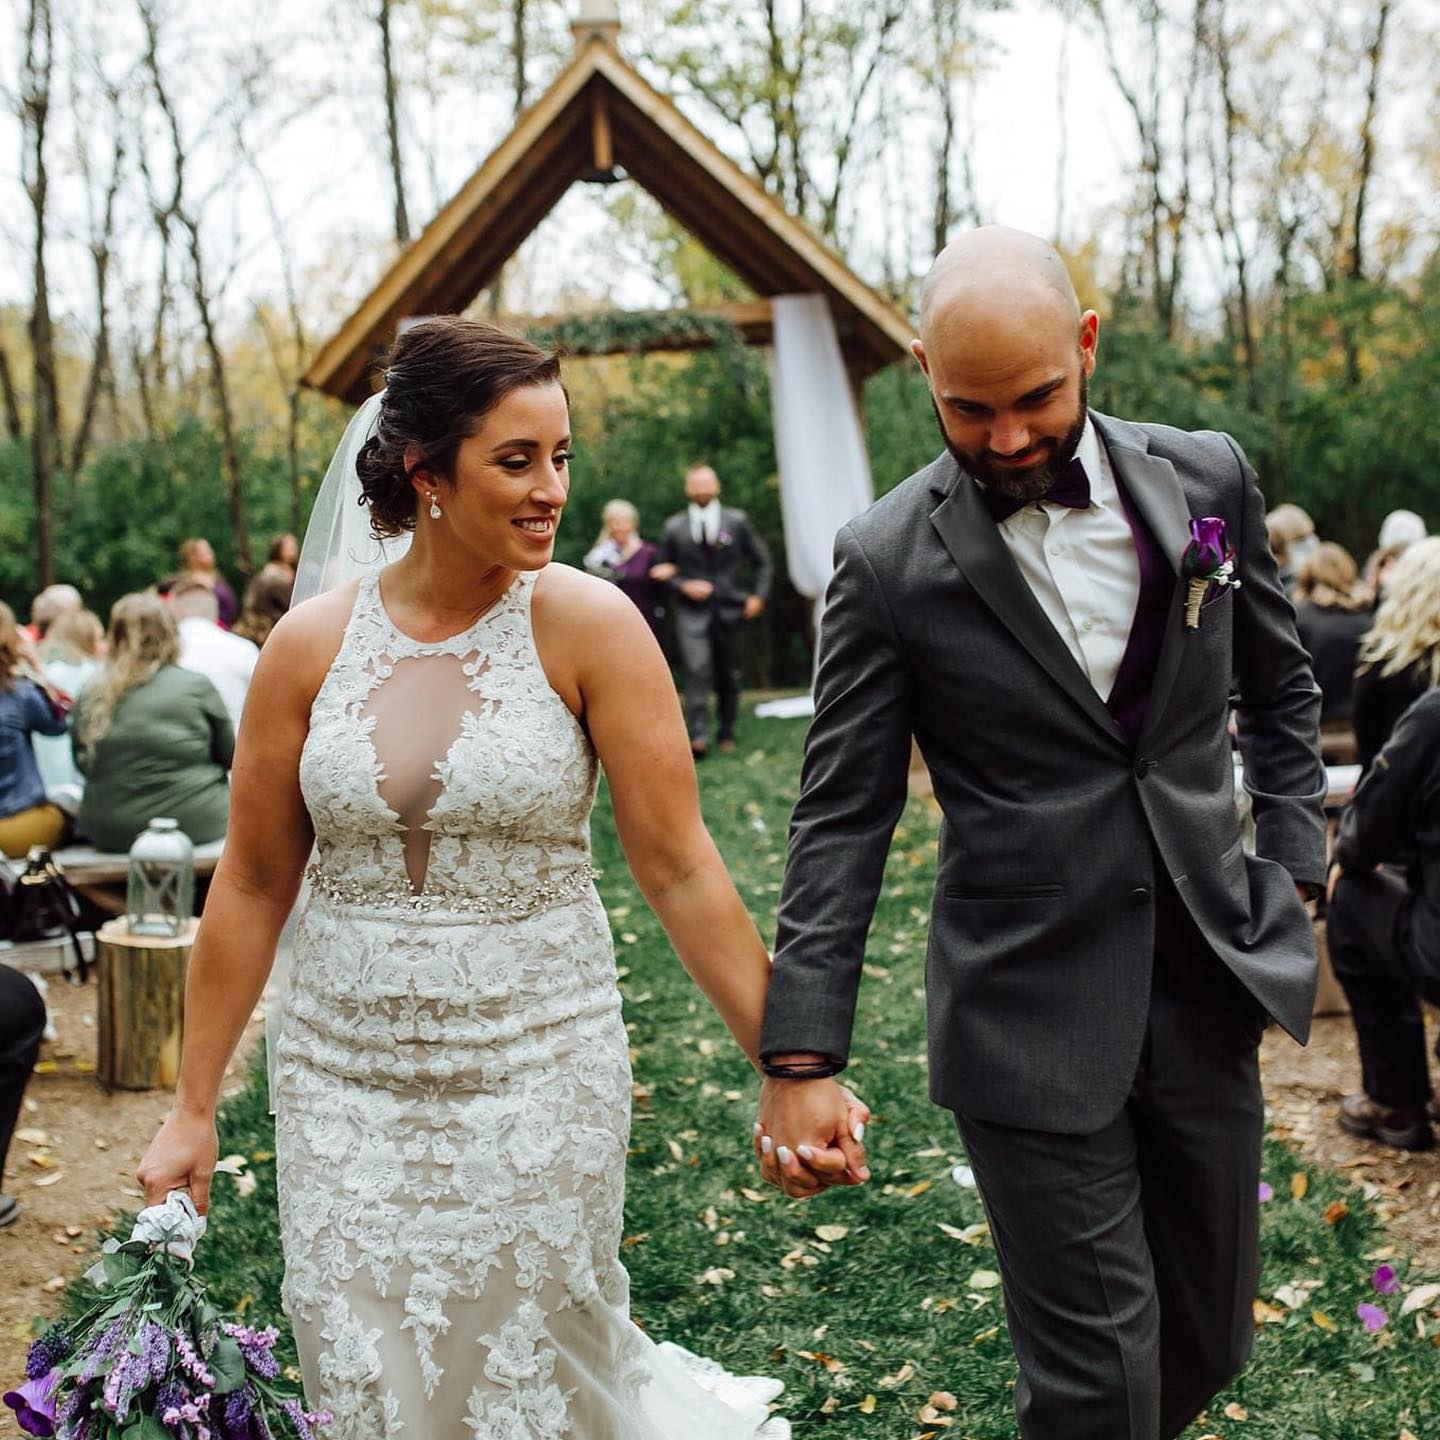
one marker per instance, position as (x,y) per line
(970,534)
(1155,491)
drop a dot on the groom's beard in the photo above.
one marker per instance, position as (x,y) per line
(1032,481)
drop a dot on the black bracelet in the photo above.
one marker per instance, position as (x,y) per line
(803,1069)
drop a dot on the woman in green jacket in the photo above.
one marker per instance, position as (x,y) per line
(150,738)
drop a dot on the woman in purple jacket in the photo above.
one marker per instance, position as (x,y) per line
(622,556)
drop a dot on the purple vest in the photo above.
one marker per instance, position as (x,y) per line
(1130,695)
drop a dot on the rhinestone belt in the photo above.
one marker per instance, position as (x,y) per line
(497,905)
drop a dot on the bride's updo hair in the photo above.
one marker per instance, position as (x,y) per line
(444,376)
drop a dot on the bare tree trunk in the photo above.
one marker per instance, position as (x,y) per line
(219,384)
(1366,168)
(7,395)
(1062,123)
(100,240)
(287,370)
(942,34)
(517,52)
(392,126)
(45,420)
(1226,188)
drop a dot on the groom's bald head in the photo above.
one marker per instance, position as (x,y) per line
(1007,352)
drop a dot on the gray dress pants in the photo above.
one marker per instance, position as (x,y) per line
(709,644)
(1130,1257)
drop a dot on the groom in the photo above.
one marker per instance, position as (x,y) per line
(1103,955)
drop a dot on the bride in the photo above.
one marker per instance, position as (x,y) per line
(452,1075)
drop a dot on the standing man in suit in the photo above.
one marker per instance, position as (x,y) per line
(704,552)
(1103,955)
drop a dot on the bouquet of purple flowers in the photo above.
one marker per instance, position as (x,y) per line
(152,1359)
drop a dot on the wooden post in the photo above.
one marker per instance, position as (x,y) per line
(141,1006)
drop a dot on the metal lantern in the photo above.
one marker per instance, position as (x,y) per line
(160,896)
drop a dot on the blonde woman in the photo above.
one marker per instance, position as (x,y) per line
(620,555)
(1400,656)
(150,738)
(27,708)
(70,652)
(1291,533)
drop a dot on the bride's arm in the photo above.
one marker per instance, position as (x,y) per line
(603,660)
(267,843)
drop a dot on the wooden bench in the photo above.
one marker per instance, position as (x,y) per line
(101,877)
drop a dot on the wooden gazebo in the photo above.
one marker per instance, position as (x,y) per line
(600,119)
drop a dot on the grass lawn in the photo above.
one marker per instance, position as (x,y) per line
(868,1301)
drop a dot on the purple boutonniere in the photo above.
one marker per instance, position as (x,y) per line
(1209,559)
(723,538)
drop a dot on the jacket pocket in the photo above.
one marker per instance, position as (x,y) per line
(1004,892)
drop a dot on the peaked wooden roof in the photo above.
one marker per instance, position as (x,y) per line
(601,113)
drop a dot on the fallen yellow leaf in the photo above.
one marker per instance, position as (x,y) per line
(899,1377)
(832,1232)
(831,1405)
(1299,1185)
(47,1067)
(866,1406)
(943,1400)
(915,1190)
(1267,1314)
(1320,1318)
(1234,1411)
(755,1197)
(983,1280)
(830,1363)
(1336,1212)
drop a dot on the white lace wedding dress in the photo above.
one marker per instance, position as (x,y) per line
(453,1082)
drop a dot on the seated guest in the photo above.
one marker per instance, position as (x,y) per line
(267,598)
(48,606)
(27,708)
(22,1022)
(620,555)
(197,562)
(284,555)
(1384,929)
(71,655)
(1331,615)
(1291,533)
(1400,527)
(226,660)
(151,738)
(1400,653)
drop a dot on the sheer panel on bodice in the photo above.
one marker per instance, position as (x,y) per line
(416,716)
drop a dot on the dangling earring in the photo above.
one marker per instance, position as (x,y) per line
(434,507)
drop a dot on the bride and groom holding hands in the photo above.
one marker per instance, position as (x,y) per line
(452,1076)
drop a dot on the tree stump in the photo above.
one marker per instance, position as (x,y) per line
(141,1006)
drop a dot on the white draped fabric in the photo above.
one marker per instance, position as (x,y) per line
(824,471)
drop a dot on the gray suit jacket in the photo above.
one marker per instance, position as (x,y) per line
(740,551)
(1043,923)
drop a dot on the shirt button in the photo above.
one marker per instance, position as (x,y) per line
(1090,624)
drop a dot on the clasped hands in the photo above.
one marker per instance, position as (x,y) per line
(810,1136)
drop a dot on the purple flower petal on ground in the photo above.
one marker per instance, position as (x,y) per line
(1267,1192)
(1385,1281)
(34,1404)
(1372,1317)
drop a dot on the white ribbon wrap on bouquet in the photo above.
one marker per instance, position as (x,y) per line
(174,1226)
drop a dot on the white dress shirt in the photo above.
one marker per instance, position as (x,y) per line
(227,661)
(1082,567)
(705,523)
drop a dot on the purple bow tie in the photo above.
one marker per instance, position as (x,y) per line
(1072,489)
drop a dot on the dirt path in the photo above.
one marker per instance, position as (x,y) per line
(72,1168)
(1303,1088)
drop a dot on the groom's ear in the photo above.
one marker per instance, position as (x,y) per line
(917,349)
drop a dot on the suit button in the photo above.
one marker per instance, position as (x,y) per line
(1140,895)
(1144,767)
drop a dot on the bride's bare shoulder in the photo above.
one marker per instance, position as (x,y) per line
(305,641)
